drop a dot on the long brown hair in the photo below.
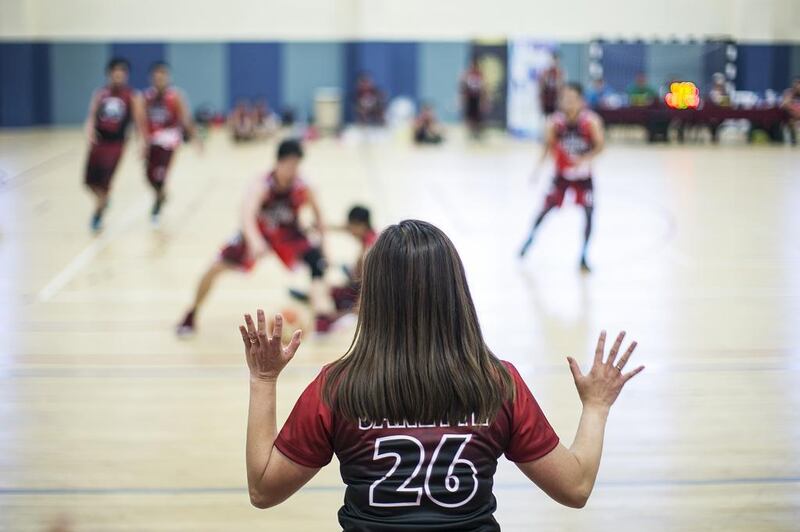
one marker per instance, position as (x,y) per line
(418,354)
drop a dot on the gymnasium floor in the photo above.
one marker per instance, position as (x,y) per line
(108,420)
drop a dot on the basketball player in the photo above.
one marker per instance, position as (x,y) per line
(791,103)
(419,410)
(359,226)
(550,82)
(473,98)
(574,136)
(169,123)
(111,110)
(270,220)
(369,102)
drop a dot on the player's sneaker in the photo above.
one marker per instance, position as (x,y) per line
(186,327)
(97,222)
(585,266)
(155,212)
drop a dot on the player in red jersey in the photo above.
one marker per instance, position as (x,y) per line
(550,82)
(419,410)
(111,110)
(574,136)
(169,123)
(791,103)
(359,226)
(473,98)
(369,102)
(270,220)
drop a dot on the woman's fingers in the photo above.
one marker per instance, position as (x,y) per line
(251,327)
(262,325)
(574,368)
(631,374)
(245,338)
(291,349)
(601,347)
(612,356)
(626,356)
(277,328)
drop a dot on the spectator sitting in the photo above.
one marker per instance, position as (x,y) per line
(640,94)
(241,122)
(719,94)
(426,127)
(598,94)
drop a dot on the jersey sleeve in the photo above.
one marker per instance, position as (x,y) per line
(531,434)
(306,436)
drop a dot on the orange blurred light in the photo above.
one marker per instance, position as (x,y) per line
(683,95)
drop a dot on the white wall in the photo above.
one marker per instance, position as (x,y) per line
(750,20)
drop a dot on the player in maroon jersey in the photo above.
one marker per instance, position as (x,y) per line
(369,102)
(345,297)
(111,110)
(574,136)
(791,103)
(169,123)
(270,220)
(419,410)
(550,82)
(473,98)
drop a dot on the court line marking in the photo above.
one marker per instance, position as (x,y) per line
(82,259)
(202,490)
(10,182)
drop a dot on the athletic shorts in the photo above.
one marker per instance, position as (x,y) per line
(102,163)
(290,245)
(473,111)
(583,188)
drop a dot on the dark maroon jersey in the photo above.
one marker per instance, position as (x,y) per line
(113,112)
(472,83)
(416,476)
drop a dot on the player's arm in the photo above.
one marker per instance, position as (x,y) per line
(140,117)
(251,205)
(185,116)
(90,117)
(271,477)
(568,474)
(549,142)
(319,224)
(598,135)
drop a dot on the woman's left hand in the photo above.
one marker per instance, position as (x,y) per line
(266,356)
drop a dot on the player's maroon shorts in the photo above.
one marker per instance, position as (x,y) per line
(583,188)
(101,164)
(158,160)
(288,244)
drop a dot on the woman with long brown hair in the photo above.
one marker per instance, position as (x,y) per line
(419,409)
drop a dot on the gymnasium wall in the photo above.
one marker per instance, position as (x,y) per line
(51,82)
(406,20)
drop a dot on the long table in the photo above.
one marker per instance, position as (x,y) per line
(658,119)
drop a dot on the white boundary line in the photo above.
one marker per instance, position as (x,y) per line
(63,277)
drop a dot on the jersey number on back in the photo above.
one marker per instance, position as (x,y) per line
(450,481)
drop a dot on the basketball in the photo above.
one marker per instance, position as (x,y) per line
(291,322)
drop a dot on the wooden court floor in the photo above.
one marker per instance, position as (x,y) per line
(110,422)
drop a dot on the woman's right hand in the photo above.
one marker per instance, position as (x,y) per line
(602,385)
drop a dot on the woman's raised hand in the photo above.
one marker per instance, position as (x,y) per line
(602,385)
(266,356)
